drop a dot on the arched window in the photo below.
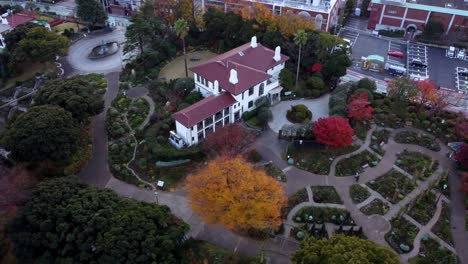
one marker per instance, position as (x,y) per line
(318,21)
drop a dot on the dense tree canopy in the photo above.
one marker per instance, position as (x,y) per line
(333,131)
(359,107)
(235,194)
(40,45)
(68,222)
(143,32)
(340,249)
(82,95)
(229,140)
(401,91)
(91,11)
(42,133)
(13,37)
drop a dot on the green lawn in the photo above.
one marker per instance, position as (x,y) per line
(29,71)
(68,25)
(175,69)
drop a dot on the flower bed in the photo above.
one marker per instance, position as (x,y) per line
(417,164)
(431,252)
(120,153)
(410,137)
(358,193)
(376,207)
(361,129)
(115,124)
(316,158)
(442,227)
(325,194)
(273,170)
(393,186)
(422,208)
(356,163)
(137,112)
(295,199)
(377,138)
(402,233)
(322,215)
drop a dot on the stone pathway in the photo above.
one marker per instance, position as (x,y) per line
(280,247)
(376,226)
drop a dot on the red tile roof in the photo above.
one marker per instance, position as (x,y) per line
(205,108)
(250,63)
(20,18)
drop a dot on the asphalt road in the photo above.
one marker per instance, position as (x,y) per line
(442,69)
(97,171)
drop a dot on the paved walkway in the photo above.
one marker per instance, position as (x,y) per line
(318,107)
(376,226)
(279,248)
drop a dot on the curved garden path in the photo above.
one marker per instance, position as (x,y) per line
(276,249)
(375,226)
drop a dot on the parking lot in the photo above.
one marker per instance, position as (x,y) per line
(443,70)
(461,79)
(417,52)
(440,69)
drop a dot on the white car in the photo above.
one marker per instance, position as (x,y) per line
(461,54)
(451,52)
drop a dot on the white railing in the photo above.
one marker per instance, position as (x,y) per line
(303,5)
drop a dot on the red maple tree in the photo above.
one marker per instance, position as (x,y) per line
(462,156)
(333,131)
(229,140)
(427,93)
(461,130)
(464,182)
(316,67)
(359,107)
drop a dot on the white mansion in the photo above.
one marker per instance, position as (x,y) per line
(230,83)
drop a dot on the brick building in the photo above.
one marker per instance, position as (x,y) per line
(414,14)
(324,12)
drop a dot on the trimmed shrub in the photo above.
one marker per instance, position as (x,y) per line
(299,114)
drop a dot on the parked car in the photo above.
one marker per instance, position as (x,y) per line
(463,74)
(451,52)
(396,54)
(461,54)
(418,64)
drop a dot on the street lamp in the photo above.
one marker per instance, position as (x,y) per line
(156,196)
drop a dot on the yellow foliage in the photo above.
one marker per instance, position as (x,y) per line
(186,9)
(287,23)
(231,192)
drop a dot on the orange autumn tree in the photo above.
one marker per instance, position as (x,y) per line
(287,23)
(233,193)
(427,94)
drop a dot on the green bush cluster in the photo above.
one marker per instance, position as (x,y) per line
(273,170)
(392,33)
(379,136)
(442,227)
(376,207)
(410,137)
(299,114)
(115,124)
(358,193)
(354,164)
(120,153)
(325,194)
(261,115)
(431,252)
(295,199)
(322,215)
(338,100)
(315,87)
(167,152)
(417,164)
(422,208)
(393,186)
(137,112)
(402,232)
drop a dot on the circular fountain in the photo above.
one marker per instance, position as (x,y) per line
(104,50)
